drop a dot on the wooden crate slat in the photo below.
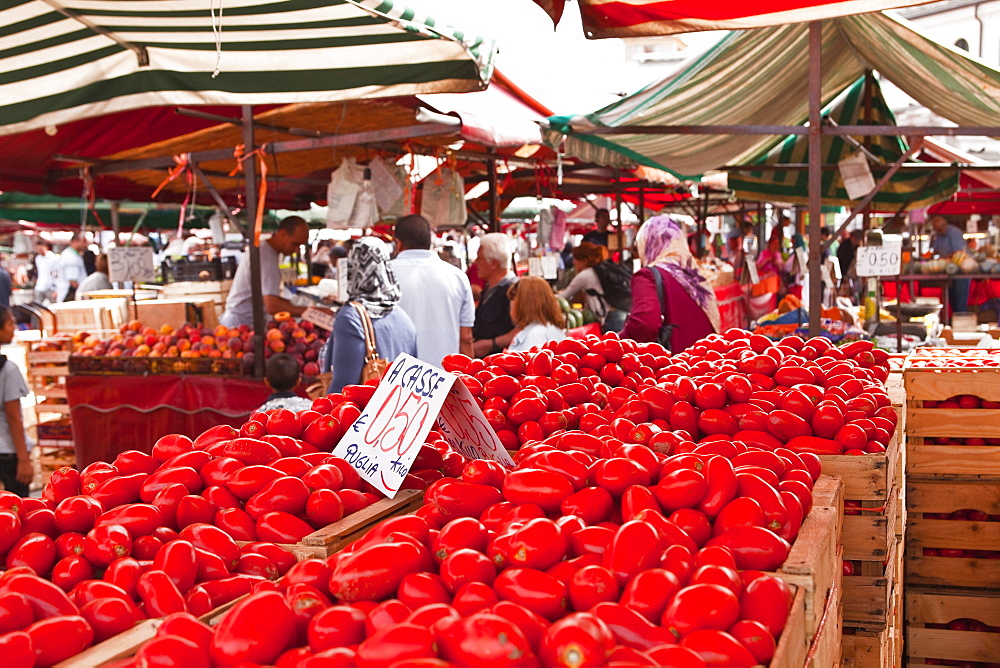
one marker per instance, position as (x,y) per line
(876,647)
(824,649)
(951,571)
(117,647)
(953,422)
(952,462)
(958,534)
(869,537)
(940,384)
(793,644)
(869,477)
(336,532)
(943,497)
(928,606)
(868,599)
(48,357)
(953,645)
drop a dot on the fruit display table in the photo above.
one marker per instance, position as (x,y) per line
(112,414)
(983,288)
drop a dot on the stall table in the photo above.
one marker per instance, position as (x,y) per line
(983,288)
(112,414)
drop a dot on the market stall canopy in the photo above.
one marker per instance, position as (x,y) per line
(978,189)
(432,124)
(761,77)
(67,212)
(640,18)
(907,189)
(74,59)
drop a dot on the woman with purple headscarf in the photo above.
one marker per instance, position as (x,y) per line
(688,300)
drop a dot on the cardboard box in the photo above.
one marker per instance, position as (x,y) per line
(175,312)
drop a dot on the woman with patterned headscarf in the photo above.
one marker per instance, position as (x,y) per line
(372,285)
(688,300)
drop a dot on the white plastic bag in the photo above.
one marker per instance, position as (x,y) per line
(345,185)
(390,184)
(365,212)
(443,201)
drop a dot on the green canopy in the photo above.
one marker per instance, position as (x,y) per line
(761,77)
(67,211)
(908,188)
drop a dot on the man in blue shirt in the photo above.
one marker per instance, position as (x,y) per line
(948,240)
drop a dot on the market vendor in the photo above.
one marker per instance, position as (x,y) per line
(292,233)
(493,329)
(947,241)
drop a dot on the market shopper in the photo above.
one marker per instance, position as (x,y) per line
(688,304)
(537,315)
(599,236)
(46,270)
(493,329)
(373,285)
(435,294)
(282,374)
(585,257)
(72,269)
(97,280)
(291,234)
(16,470)
(947,241)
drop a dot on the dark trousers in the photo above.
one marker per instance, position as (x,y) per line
(8,475)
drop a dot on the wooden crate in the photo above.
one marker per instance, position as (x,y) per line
(928,606)
(871,535)
(938,384)
(868,595)
(824,647)
(868,477)
(793,644)
(952,571)
(876,647)
(929,461)
(335,537)
(815,562)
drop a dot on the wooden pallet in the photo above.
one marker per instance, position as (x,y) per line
(815,560)
(929,606)
(868,477)
(335,537)
(868,595)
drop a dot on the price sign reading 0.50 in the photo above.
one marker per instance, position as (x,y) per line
(383,442)
(884,260)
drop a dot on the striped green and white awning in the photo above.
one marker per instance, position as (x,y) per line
(65,60)
(761,77)
(907,189)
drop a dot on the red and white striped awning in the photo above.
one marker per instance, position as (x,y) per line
(638,18)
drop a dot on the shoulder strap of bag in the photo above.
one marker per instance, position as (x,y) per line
(368,329)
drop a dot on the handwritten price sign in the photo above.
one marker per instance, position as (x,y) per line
(383,442)
(884,260)
(130,263)
(464,426)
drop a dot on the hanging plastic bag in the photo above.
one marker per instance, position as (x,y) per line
(557,238)
(365,212)
(545,221)
(345,185)
(443,201)
(388,186)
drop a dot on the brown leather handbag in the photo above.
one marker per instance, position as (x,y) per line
(375,366)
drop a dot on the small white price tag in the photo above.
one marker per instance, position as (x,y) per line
(319,318)
(464,426)
(130,263)
(550,267)
(884,260)
(752,271)
(535,266)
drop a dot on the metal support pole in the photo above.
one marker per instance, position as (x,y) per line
(815,175)
(253,249)
(494,195)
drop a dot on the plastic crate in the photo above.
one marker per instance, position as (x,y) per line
(211,270)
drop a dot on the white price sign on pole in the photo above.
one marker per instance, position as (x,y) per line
(383,442)
(884,260)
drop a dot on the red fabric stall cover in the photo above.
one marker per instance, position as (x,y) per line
(112,414)
(733,310)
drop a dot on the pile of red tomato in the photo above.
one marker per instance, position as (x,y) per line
(650,494)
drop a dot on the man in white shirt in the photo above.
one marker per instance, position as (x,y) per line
(292,233)
(436,295)
(46,268)
(72,270)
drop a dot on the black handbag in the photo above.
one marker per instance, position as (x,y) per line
(666,329)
